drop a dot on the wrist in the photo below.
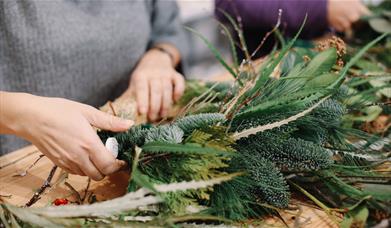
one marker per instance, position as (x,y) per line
(166,52)
(155,57)
(169,50)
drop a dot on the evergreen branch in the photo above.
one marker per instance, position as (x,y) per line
(189,148)
(268,181)
(287,153)
(165,133)
(254,130)
(192,122)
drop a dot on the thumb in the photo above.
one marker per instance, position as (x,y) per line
(108,122)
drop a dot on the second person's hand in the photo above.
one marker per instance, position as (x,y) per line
(342,14)
(156,84)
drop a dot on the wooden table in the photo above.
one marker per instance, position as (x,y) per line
(16,189)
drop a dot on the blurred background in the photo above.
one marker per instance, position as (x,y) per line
(199,15)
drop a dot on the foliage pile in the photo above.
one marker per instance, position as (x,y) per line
(268,136)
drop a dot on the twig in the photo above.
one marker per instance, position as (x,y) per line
(145,160)
(187,108)
(297,222)
(24,173)
(6,196)
(86,190)
(46,184)
(328,198)
(19,159)
(269,33)
(74,192)
(112,108)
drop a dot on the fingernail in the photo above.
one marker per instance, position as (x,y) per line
(129,123)
(121,163)
(125,123)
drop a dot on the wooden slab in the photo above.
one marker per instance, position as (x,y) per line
(17,190)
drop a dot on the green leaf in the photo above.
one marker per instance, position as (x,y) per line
(368,65)
(382,83)
(378,191)
(322,80)
(143,181)
(380,25)
(321,63)
(189,148)
(232,44)
(368,114)
(355,218)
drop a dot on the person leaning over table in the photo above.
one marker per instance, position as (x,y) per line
(260,16)
(59,59)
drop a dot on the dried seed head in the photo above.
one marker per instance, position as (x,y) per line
(337,43)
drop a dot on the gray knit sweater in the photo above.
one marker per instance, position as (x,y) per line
(80,50)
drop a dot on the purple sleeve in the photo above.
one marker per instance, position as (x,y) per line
(264,14)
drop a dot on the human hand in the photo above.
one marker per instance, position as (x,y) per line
(156,84)
(62,130)
(341,14)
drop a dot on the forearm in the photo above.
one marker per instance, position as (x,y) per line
(12,106)
(167,30)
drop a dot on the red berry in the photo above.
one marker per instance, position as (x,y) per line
(59,202)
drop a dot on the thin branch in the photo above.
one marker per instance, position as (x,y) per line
(268,34)
(45,185)
(112,108)
(74,192)
(19,159)
(86,190)
(24,173)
